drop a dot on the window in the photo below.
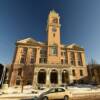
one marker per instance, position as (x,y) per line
(72,55)
(63,61)
(72,58)
(33,56)
(63,53)
(60,90)
(33,52)
(79,62)
(54,50)
(19,71)
(73,72)
(17,82)
(43,55)
(72,62)
(43,60)
(81,72)
(32,60)
(23,56)
(43,52)
(22,60)
(25,50)
(79,59)
(51,90)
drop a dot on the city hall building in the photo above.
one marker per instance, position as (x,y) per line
(50,63)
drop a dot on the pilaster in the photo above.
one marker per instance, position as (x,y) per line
(76,58)
(83,59)
(48,78)
(59,77)
(37,55)
(35,83)
(68,52)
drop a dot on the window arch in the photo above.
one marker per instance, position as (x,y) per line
(65,76)
(54,76)
(42,76)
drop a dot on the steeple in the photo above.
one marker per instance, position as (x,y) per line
(54,13)
(53,28)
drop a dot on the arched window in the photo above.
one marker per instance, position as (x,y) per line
(18,81)
(65,77)
(42,76)
(54,77)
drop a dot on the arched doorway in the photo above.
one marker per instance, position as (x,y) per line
(54,77)
(42,76)
(65,77)
(18,80)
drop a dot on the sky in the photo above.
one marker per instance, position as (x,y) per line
(80,24)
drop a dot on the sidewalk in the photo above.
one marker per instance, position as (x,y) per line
(17,96)
(14,92)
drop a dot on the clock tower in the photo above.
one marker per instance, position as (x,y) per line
(53,30)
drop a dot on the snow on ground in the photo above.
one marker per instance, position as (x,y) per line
(30,91)
(83,89)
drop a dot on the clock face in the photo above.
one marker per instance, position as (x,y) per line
(55,20)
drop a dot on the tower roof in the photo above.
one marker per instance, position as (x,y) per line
(53,13)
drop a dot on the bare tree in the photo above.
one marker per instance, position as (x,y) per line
(26,76)
(91,66)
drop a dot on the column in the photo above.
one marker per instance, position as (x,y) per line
(28,55)
(18,54)
(83,59)
(70,75)
(76,59)
(37,55)
(68,54)
(59,77)
(35,83)
(48,78)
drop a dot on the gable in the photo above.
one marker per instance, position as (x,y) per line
(29,41)
(75,47)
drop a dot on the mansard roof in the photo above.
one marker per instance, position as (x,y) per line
(30,41)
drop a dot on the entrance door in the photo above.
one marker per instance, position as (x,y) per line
(54,77)
(65,77)
(42,76)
